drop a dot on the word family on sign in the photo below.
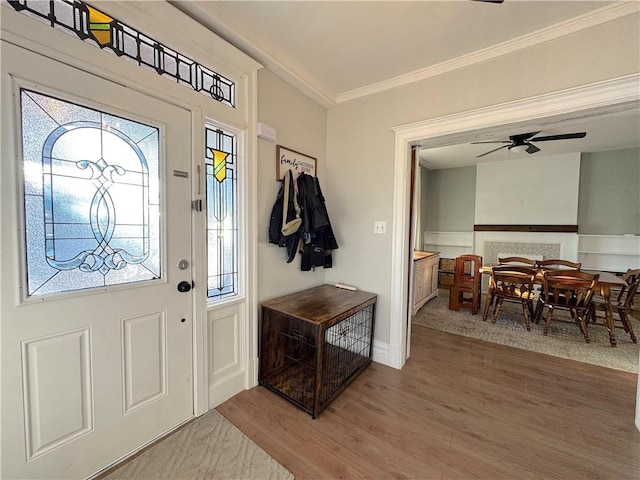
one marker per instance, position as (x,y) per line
(298,166)
(298,163)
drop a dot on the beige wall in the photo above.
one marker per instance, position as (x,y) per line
(360,142)
(301,124)
(530,193)
(609,193)
(448,204)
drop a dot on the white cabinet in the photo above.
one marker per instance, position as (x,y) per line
(425,278)
(614,253)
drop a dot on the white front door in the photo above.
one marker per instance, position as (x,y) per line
(96,236)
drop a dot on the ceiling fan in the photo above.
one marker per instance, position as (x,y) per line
(522,142)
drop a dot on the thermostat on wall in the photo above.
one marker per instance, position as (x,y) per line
(266,132)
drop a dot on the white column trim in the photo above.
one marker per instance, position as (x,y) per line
(251,347)
(594,99)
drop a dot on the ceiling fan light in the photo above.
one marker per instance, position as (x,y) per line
(519,148)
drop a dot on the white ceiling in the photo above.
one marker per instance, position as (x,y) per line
(606,130)
(335,51)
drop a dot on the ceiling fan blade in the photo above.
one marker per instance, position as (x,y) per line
(491,151)
(493,141)
(532,149)
(522,137)
(563,136)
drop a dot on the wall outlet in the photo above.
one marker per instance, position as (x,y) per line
(380,228)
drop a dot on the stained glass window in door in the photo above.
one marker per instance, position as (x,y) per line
(91,197)
(222,213)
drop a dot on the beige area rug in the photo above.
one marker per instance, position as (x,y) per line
(210,447)
(563,340)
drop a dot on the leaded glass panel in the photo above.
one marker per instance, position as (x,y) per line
(222,213)
(91,197)
(97,28)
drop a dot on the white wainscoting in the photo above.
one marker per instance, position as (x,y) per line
(226,356)
(448,244)
(614,253)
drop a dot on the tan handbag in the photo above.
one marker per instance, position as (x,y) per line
(291,227)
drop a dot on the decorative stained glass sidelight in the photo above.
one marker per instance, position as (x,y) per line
(91,197)
(99,29)
(222,213)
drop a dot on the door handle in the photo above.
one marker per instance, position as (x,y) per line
(184,286)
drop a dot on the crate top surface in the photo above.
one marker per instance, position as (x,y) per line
(320,304)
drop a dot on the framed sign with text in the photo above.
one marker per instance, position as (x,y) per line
(287,159)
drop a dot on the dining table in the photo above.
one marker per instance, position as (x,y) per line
(606,282)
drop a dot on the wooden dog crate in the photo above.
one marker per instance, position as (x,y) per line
(314,343)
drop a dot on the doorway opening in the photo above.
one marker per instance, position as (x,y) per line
(600,99)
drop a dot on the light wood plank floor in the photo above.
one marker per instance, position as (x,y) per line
(459,409)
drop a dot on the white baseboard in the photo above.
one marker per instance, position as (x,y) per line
(386,354)
(396,356)
(252,372)
(226,388)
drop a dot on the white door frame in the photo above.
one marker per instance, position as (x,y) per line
(584,100)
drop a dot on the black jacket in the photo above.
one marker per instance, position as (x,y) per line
(314,238)
(317,233)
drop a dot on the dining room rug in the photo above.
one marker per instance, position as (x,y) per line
(209,447)
(563,340)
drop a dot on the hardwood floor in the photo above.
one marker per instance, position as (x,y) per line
(459,409)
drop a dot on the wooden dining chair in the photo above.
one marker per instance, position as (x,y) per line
(623,305)
(551,264)
(570,290)
(513,283)
(466,288)
(517,260)
(633,274)
(559,264)
(522,261)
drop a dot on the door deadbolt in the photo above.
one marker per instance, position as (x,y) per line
(184,286)
(183,264)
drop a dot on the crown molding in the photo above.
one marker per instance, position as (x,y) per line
(553,32)
(614,94)
(217,18)
(220,20)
